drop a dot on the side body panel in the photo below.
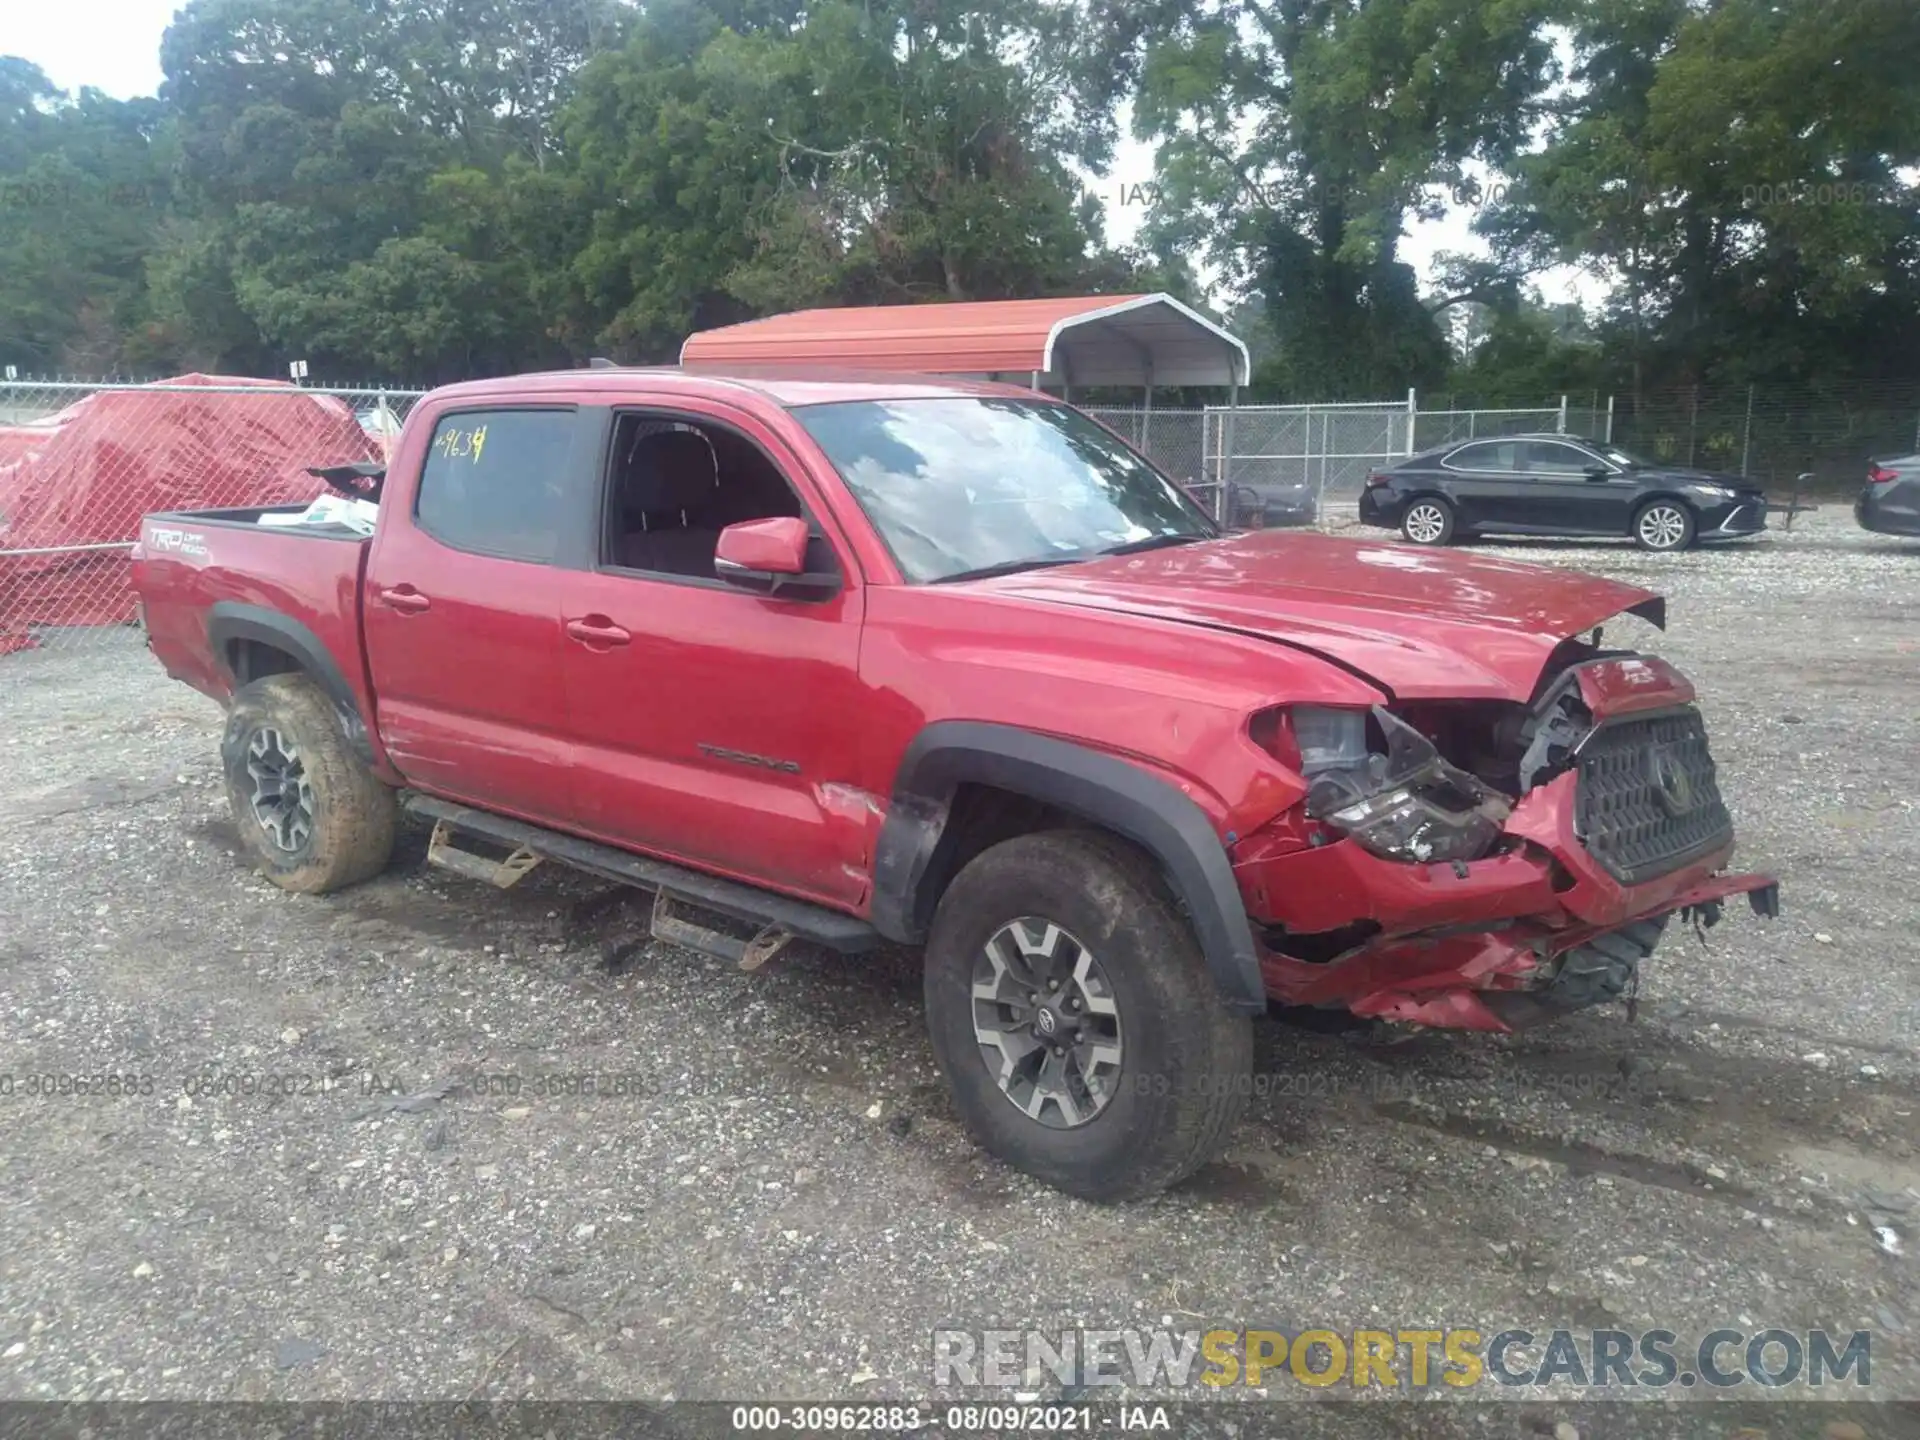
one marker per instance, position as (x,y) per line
(209,579)
(718,725)
(464,649)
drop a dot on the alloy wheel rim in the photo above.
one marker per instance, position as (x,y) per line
(1424,523)
(282,797)
(1047,1023)
(1663,527)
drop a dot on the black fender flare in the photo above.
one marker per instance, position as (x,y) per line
(229,620)
(1092,784)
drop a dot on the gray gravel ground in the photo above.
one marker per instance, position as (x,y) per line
(783,1204)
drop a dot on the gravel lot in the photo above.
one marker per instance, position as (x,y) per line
(783,1204)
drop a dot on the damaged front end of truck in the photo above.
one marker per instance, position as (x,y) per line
(1486,864)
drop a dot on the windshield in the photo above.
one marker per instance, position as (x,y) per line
(961,486)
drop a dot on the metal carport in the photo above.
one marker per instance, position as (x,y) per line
(1088,341)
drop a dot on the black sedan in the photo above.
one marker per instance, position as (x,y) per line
(1271,504)
(1558,485)
(1891,502)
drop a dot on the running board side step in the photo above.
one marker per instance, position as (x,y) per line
(779,917)
(504,874)
(671,924)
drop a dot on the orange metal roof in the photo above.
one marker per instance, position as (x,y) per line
(1124,340)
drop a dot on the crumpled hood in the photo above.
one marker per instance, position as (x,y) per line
(1420,623)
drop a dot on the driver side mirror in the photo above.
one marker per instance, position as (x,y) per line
(769,557)
(1599,472)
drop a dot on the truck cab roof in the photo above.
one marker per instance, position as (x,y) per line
(786,386)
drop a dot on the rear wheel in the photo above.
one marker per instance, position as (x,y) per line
(1428,521)
(310,814)
(1073,1016)
(1663,525)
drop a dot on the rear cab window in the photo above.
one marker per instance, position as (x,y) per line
(498,482)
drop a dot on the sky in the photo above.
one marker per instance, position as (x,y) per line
(114,45)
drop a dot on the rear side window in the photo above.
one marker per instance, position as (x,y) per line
(1487,455)
(1556,459)
(494,482)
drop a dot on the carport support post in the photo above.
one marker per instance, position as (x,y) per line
(1222,509)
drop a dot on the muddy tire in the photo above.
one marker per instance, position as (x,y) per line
(310,815)
(1073,1016)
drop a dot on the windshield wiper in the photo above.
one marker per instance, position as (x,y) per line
(1014,567)
(1154,542)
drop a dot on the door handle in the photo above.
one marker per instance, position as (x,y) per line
(404,598)
(597,630)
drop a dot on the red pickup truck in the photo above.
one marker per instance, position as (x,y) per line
(949,665)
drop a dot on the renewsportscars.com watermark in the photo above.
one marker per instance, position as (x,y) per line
(1148,1359)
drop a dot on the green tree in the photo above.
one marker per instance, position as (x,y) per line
(741,163)
(81,186)
(1734,170)
(1295,140)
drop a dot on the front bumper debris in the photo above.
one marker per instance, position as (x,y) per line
(1426,940)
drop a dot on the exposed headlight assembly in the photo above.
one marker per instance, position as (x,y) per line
(1406,804)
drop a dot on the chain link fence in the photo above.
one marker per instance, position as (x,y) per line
(81,463)
(1775,433)
(1306,464)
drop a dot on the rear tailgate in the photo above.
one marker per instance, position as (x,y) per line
(209,580)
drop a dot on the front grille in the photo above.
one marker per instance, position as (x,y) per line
(1648,800)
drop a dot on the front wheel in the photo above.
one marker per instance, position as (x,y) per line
(1428,521)
(312,817)
(1074,1019)
(1663,525)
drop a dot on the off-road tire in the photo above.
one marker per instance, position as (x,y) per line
(1419,525)
(353,814)
(1187,1060)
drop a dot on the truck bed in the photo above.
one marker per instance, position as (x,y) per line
(214,582)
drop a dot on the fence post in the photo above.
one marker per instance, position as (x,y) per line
(1563,416)
(1609,418)
(1693,421)
(1320,490)
(1225,503)
(1413,417)
(1746,433)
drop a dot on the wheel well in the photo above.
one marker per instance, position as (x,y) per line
(980,817)
(1660,495)
(964,784)
(249,660)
